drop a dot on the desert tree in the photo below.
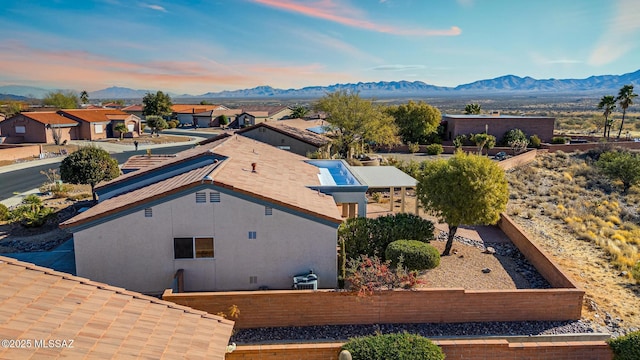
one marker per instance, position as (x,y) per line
(223,120)
(121,128)
(158,104)
(84,97)
(608,104)
(472,109)
(621,165)
(415,121)
(466,189)
(156,124)
(483,140)
(353,119)
(12,107)
(625,99)
(299,112)
(89,165)
(61,99)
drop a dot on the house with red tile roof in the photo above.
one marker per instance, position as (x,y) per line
(67,124)
(233,213)
(98,124)
(38,127)
(52,315)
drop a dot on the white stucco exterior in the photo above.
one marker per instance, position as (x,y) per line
(136,252)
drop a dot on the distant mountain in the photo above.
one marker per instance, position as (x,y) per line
(11,97)
(25,91)
(600,84)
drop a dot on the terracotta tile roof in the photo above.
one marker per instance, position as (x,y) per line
(193,108)
(136,107)
(103,321)
(91,115)
(281,178)
(294,132)
(49,118)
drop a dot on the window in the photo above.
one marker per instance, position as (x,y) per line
(98,129)
(131,127)
(201,197)
(268,210)
(148,212)
(253,279)
(214,197)
(253,235)
(20,129)
(196,247)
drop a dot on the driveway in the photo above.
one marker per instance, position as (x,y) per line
(61,258)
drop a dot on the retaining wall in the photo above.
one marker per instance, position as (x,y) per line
(14,152)
(498,349)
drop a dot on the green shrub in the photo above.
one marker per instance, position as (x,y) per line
(534,141)
(365,236)
(459,141)
(513,135)
(434,149)
(416,255)
(413,147)
(559,140)
(626,347)
(402,346)
(4,212)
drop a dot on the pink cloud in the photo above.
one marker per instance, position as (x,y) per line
(327,10)
(83,70)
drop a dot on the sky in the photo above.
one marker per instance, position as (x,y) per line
(199,46)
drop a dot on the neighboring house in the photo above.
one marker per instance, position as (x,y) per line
(497,125)
(98,124)
(283,136)
(253,115)
(38,127)
(234,213)
(134,110)
(58,315)
(185,112)
(211,118)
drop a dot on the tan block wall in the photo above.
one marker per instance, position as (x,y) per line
(498,349)
(498,126)
(584,147)
(14,152)
(536,256)
(327,307)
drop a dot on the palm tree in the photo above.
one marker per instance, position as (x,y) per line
(472,109)
(84,96)
(625,98)
(121,128)
(608,103)
(299,112)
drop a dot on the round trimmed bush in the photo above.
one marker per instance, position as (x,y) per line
(625,347)
(434,149)
(403,346)
(417,255)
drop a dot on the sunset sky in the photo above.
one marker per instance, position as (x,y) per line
(199,46)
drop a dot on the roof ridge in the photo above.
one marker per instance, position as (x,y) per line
(115,289)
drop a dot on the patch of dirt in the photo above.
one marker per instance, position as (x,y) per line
(148,139)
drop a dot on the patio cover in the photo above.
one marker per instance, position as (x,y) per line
(383,177)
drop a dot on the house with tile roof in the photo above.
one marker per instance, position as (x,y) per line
(95,124)
(233,213)
(185,112)
(253,115)
(67,124)
(286,135)
(38,127)
(74,317)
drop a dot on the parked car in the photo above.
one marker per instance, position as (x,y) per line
(500,156)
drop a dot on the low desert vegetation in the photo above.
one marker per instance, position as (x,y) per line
(393,346)
(575,192)
(413,254)
(626,347)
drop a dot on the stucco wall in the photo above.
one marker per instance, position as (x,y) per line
(274,138)
(14,152)
(136,252)
(35,132)
(499,125)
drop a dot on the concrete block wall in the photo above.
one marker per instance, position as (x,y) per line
(14,152)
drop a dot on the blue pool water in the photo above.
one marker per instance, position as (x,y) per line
(334,172)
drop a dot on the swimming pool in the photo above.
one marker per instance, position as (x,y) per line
(334,173)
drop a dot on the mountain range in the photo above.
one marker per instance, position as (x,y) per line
(601,84)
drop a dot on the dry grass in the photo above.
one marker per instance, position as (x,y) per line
(582,219)
(148,139)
